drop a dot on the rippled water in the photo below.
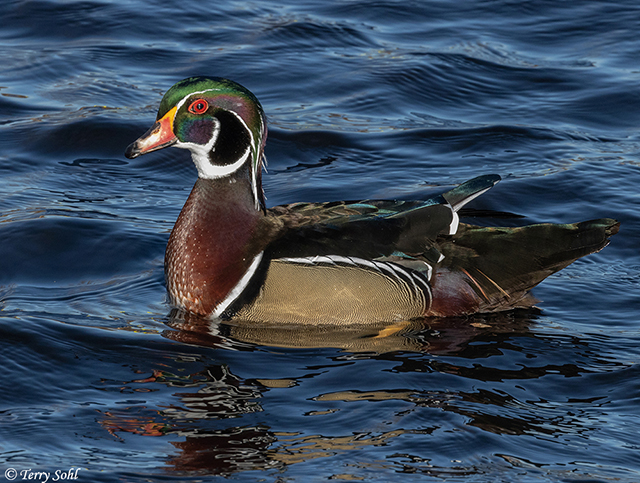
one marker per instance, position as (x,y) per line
(378,99)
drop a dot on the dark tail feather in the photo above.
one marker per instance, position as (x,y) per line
(501,265)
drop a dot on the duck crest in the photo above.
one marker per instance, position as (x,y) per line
(333,263)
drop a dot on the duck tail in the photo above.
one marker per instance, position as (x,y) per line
(487,269)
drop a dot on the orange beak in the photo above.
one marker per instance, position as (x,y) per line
(159,136)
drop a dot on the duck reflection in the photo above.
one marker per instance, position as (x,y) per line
(433,335)
(195,416)
(222,424)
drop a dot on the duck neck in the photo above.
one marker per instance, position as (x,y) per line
(211,249)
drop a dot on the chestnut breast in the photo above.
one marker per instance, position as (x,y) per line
(210,247)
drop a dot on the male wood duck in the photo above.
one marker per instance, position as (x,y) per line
(229,256)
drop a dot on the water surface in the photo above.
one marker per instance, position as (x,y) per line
(379,99)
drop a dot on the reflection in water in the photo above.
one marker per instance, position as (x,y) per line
(196,419)
(224,452)
(435,336)
(194,416)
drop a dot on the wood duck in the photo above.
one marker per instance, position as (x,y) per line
(343,262)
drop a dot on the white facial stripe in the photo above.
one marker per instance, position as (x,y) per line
(207,170)
(239,288)
(200,153)
(254,160)
(214,137)
(184,99)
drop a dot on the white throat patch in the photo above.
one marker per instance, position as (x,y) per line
(200,152)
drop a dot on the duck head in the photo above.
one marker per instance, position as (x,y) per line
(219,121)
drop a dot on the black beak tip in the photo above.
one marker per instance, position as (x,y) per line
(132,151)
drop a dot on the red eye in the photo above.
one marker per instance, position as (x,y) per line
(199,106)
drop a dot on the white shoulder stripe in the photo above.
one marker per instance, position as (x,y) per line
(240,286)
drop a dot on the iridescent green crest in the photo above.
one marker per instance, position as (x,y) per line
(224,94)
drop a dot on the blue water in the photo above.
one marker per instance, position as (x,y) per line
(379,99)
